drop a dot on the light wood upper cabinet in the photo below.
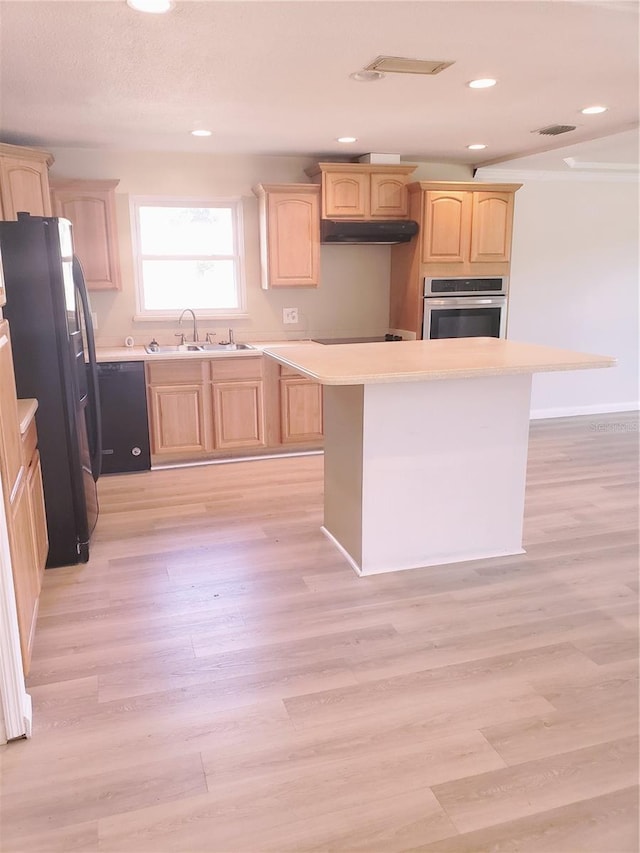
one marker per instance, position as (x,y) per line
(24,181)
(389,198)
(467,227)
(491,227)
(362,191)
(289,234)
(446,228)
(345,195)
(90,206)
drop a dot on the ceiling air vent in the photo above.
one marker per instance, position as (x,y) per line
(401,65)
(554,129)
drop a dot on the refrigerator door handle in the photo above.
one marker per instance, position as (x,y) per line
(94,396)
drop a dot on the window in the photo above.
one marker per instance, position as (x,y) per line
(188,255)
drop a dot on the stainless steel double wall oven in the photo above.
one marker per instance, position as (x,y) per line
(465,307)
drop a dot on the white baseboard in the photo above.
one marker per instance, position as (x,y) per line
(573,411)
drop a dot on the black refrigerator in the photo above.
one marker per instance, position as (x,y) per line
(55,362)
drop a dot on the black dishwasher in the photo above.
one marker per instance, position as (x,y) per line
(125,427)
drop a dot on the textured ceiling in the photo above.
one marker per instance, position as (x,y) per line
(273,77)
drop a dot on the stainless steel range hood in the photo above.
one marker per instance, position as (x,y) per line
(381,232)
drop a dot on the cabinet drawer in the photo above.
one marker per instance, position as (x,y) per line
(170,372)
(223,369)
(29,443)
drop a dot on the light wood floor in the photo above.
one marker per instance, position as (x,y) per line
(218,679)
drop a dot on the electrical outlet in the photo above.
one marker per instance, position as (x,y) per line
(289,315)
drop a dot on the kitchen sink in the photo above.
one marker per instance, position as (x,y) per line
(191,347)
(223,347)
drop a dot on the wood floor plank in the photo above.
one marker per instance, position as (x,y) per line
(605,824)
(505,676)
(100,794)
(539,785)
(77,838)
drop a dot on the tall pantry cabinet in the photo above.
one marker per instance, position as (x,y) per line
(24,187)
(465,230)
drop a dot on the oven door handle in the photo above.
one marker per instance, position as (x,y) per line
(465,302)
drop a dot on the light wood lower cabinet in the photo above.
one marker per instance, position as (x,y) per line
(23,500)
(300,409)
(26,577)
(238,417)
(39,536)
(178,418)
(178,400)
(217,407)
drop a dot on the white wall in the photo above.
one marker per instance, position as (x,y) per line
(574,284)
(353,296)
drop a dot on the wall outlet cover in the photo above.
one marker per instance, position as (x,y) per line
(289,315)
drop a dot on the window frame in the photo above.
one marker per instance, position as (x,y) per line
(150,314)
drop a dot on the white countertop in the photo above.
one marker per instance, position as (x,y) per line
(140,354)
(415,361)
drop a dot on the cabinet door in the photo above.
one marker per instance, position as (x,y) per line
(345,195)
(491,226)
(39,536)
(26,578)
(447,218)
(177,418)
(300,410)
(293,239)
(238,414)
(91,210)
(25,187)
(389,198)
(10,442)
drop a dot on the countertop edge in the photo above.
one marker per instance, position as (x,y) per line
(27,408)
(594,362)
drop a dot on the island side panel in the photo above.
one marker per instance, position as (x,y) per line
(444,471)
(343,423)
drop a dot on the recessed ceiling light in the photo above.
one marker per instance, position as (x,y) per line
(346,139)
(478,146)
(483,83)
(366,76)
(156,7)
(200,133)
(592,111)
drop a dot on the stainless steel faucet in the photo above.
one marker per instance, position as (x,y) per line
(195,326)
(231,340)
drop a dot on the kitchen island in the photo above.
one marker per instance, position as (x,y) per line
(426,445)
